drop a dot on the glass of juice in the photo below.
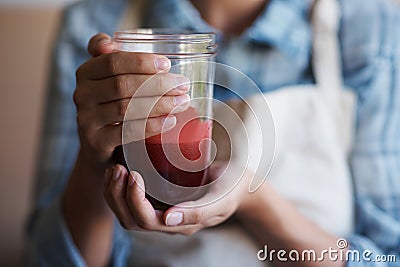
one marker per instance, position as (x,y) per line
(174,163)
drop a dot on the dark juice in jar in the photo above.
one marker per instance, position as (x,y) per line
(180,156)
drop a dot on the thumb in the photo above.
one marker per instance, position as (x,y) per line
(185,216)
(100,44)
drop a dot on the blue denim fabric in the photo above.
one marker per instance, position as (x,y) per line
(275,51)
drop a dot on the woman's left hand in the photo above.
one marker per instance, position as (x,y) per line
(125,195)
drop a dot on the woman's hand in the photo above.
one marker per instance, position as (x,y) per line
(125,194)
(105,86)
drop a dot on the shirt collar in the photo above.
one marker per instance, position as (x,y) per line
(283,24)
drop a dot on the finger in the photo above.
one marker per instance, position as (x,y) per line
(148,107)
(189,216)
(100,44)
(139,108)
(141,209)
(110,136)
(118,63)
(115,196)
(218,204)
(197,213)
(137,85)
(205,216)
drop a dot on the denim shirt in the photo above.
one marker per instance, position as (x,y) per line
(275,52)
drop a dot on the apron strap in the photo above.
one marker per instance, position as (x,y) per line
(326,60)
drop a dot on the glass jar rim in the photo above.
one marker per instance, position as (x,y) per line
(172,43)
(163,34)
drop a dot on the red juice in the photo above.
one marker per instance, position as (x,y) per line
(187,146)
(180,155)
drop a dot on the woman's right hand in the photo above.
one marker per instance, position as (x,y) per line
(108,82)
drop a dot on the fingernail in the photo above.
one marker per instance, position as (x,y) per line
(174,218)
(182,84)
(168,122)
(180,99)
(116,174)
(162,63)
(103,42)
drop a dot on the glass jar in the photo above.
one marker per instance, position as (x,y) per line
(174,163)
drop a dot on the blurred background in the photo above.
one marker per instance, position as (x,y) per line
(27,28)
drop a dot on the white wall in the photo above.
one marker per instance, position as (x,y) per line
(23,79)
